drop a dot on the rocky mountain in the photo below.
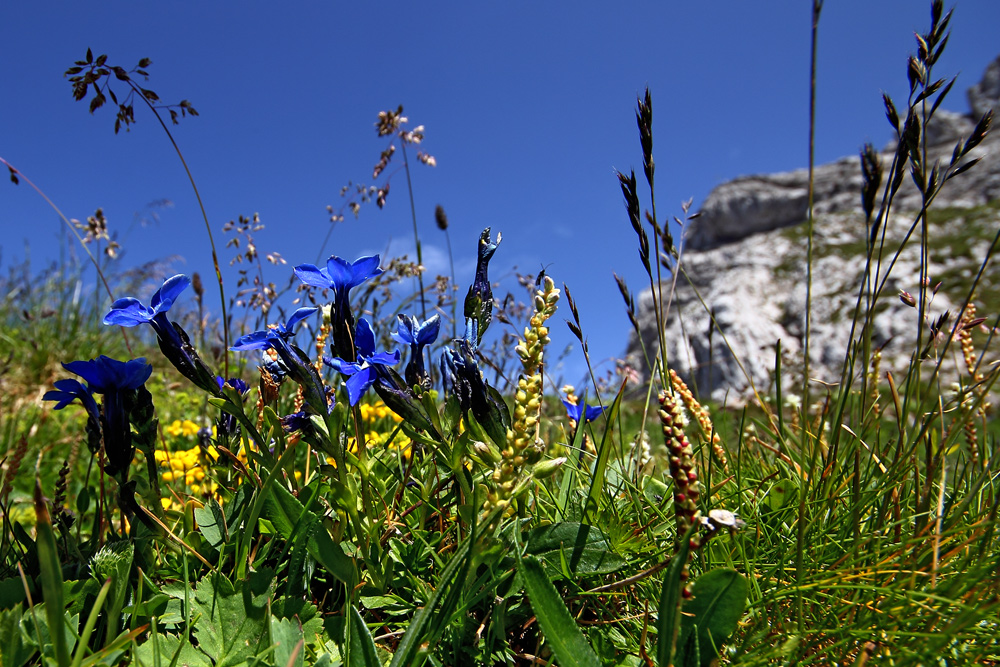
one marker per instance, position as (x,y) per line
(744,262)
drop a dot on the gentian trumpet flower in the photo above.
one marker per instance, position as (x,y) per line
(341,276)
(293,360)
(117,381)
(588,412)
(417,335)
(479,300)
(363,373)
(173,341)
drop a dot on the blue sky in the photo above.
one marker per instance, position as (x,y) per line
(528,109)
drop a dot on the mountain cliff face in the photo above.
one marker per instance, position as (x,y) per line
(745,262)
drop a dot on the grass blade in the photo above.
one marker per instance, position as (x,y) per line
(669,617)
(603,454)
(52,580)
(360,647)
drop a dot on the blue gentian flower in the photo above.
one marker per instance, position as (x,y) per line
(117,381)
(363,373)
(258,340)
(130,312)
(341,276)
(293,361)
(69,390)
(588,412)
(236,383)
(417,335)
(462,376)
(173,341)
(295,421)
(227,425)
(479,300)
(105,375)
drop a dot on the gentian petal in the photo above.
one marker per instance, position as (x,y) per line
(364,339)
(66,392)
(236,383)
(573,411)
(310,274)
(364,268)
(128,312)
(359,383)
(428,331)
(341,366)
(90,372)
(404,332)
(385,358)
(593,412)
(258,340)
(164,297)
(134,373)
(297,317)
(340,272)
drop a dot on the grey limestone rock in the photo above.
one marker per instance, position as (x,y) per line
(745,258)
(984,95)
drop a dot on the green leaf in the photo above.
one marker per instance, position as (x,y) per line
(286,633)
(40,635)
(561,632)
(13,651)
(360,649)
(212,523)
(584,547)
(781,494)
(232,620)
(289,516)
(711,615)
(669,619)
(51,570)
(166,648)
(603,454)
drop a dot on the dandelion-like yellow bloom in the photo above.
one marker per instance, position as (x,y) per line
(186,428)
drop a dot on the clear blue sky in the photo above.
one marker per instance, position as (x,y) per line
(528,108)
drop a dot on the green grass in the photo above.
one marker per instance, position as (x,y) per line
(865,528)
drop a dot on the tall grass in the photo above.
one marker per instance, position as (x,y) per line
(332,512)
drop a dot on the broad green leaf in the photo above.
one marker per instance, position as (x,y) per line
(288,516)
(232,620)
(360,649)
(711,615)
(781,494)
(584,547)
(286,633)
(655,491)
(212,523)
(11,592)
(13,650)
(561,632)
(40,637)
(167,647)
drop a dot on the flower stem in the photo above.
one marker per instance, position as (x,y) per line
(208,227)
(416,234)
